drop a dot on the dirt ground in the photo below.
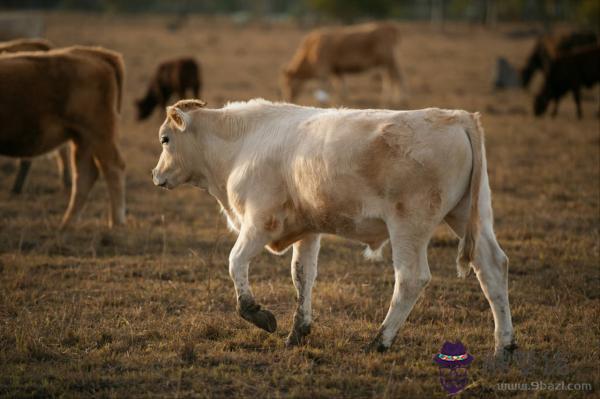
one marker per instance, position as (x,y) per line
(149,309)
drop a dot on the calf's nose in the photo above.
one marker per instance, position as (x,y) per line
(158,181)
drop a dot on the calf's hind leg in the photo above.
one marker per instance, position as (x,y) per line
(411,271)
(304,273)
(85,174)
(491,268)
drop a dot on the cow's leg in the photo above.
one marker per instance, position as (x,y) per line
(491,267)
(248,244)
(555,110)
(385,88)
(113,168)
(411,271)
(304,273)
(85,174)
(393,82)
(577,98)
(62,161)
(24,166)
(339,86)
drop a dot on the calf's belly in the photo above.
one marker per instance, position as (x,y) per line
(370,231)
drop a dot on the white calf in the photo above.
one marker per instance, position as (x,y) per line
(284,174)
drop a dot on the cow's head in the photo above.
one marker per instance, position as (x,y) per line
(144,107)
(178,139)
(290,84)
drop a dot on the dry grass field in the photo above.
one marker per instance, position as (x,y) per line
(149,309)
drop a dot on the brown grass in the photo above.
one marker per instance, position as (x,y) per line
(149,310)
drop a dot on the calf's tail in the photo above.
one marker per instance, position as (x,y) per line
(468,244)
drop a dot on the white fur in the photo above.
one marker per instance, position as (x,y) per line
(374,255)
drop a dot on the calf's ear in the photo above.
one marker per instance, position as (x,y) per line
(190,105)
(178,118)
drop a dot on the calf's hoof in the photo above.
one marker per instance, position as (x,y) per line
(252,312)
(505,354)
(297,335)
(377,345)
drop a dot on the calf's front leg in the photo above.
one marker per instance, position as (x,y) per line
(248,244)
(304,273)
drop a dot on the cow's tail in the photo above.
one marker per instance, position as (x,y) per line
(468,244)
(115,60)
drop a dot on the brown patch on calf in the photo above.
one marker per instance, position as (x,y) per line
(441,119)
(376,160)
(400,209)
(271,224)
(335,215)
(435,200)
(388,153)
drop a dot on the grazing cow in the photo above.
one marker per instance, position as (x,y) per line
(71,94)
(62,155)
(549,47)
(172,77)
(569,73)
(284,174)
(329,53)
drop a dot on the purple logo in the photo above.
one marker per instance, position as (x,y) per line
(453,361)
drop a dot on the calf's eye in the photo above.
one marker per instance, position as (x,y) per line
(164,139)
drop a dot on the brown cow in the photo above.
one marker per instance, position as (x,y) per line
(16,45)
(569,73)
(172,76)
(329,53)
(547,48)
(62,155)
(71,94)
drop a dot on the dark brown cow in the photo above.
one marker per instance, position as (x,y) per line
(62,155)
(71,94)
(333,52)
(569,73)
(172,77)
(549,47)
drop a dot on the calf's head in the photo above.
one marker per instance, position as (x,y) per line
(178,139)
